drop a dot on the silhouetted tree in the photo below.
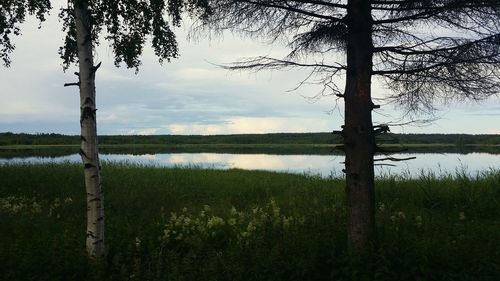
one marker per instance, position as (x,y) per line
(423,50)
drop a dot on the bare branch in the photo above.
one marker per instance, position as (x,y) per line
(284,5)
(262,62)
(425,51)
(335,4)
(394,159)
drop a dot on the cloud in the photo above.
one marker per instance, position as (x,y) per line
(254,125)
(108,118)
(199,73)
(110,73)
(143,132)
(187,96)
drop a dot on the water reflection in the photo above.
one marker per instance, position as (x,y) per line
(324,165)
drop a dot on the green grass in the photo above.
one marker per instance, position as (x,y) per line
(243,225)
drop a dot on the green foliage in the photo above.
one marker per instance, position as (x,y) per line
(128,24)
(439,228)
(190,224)
(8,138)
(12,14)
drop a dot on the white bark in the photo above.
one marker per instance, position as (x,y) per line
(88,151)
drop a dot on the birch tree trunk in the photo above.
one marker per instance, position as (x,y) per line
(358,133)
(88,149)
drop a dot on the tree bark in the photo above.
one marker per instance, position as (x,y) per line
(88,148)
(358,133)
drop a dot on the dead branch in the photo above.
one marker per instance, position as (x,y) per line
(394,159)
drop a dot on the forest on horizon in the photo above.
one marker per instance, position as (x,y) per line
(8,138)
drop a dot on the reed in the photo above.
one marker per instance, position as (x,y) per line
(187,223)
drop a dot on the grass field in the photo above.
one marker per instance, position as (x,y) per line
(192,224)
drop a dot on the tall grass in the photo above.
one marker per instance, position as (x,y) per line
(194,224)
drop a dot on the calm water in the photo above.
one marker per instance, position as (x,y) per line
(324,165)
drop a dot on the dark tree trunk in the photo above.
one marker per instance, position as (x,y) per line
(359,140)
(88,149)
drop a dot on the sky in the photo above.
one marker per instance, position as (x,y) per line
(190,95)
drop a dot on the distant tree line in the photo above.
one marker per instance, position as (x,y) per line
(9,138)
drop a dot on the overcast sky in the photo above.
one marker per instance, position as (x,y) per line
(190,95)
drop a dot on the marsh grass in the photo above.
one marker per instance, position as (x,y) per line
(195,224)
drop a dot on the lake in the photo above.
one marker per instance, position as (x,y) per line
(323,165)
